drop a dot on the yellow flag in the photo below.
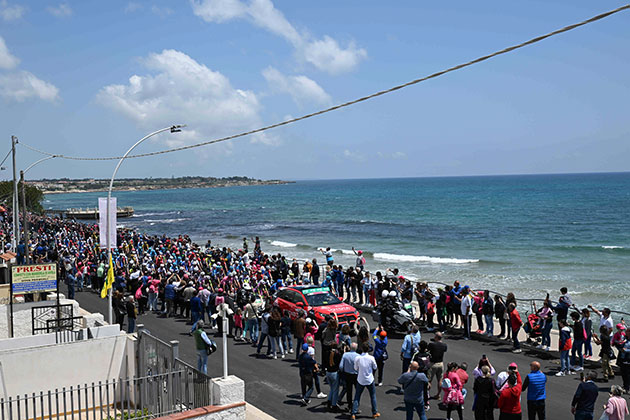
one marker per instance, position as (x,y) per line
(110,279)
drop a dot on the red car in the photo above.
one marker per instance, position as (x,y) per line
(316,301)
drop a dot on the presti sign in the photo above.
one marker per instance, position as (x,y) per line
(34,278)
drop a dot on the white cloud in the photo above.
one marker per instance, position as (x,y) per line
(23,85)
(62,11)
(392,155)
(7,60)
(10,12)
(20,85)
(179,90)
(301,88)
(133,6)
(325,54)
(357,157)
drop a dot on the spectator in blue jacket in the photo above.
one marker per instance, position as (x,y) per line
(583,404)
(196,309)
(169,297)
(535,383)
(409,347)
(380,352)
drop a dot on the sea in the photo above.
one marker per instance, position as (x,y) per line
(528,234)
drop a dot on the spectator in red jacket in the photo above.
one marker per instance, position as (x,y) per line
(510,400)
(516,323)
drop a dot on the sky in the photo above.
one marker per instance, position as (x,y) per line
(90,78)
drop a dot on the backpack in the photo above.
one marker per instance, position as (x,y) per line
(414,346)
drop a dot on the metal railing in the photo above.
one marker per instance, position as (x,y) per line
(123,399)
(531,301)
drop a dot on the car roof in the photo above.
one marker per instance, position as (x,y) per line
(301,288)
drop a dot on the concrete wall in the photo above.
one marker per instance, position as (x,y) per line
(45,367)
(22,317)
(234,411)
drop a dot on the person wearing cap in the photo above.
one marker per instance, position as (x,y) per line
(510,399)
(308,368)
(535,383)
(380,352)
(619,338)
(360,262)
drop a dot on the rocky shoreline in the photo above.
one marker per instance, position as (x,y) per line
(66,186)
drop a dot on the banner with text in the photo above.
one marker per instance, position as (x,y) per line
(34,278)
(102,222)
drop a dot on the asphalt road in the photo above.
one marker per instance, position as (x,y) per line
(274,387)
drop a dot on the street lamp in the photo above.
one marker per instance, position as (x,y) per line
(24,211)
(172,129)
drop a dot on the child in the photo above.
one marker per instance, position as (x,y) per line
(238,325)
(564,346)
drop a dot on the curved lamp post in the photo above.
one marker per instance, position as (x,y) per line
(172,129)
(24,211)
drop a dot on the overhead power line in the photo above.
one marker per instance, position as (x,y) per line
(5,158)
(355,101)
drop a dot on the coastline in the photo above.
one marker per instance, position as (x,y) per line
(165,187)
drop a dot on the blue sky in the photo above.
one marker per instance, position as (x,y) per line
(89,78)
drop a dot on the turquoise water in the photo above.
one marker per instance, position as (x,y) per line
(527,234)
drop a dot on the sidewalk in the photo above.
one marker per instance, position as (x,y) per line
(253,413)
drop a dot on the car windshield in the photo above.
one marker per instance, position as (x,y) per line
(320,297)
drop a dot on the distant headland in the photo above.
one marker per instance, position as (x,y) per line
(65,185)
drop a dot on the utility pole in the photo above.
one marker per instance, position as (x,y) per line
(25,220)
(16,210)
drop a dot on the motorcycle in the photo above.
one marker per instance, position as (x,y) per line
(395,315)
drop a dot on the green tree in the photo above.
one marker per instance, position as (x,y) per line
(34,196)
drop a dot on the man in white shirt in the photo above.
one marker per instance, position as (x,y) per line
(365,365)
(466,307)
(604,318)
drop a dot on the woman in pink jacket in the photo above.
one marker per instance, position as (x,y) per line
(452,386)
(616,407)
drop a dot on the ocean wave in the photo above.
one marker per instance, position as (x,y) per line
(425,259)
(155,214)
(283,244)
(264,226)
(612,247)
(179,219)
